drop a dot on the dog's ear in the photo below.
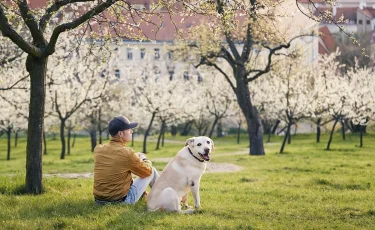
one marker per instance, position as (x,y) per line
(189,141)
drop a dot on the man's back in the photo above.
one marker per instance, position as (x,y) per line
(114,164)
(112,176)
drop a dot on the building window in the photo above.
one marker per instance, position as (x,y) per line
(170,55)
(200,78)
(102,74)
(117,73)
(186,75)
(138,6)
(157,53)
(360,22)
(130,53)
(143,53)
(368,22)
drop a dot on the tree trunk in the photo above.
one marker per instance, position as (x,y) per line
(238,133)
(160,135)
(187,128)
(44,144)
(163,136)
(205,130)
(254,124)
(318,131)
(213,126)
(330,136)
(173,130)
(219,130)
(100,125)
(62,139)
(93,139)
(287,134)
(357,128)
(9,132)
(15,139)
(255,136)
(202,125)
(361,136)
(74,140)
(69,135)
(290,135)
(147,132)
(274,128)
(37,70)
(267,126)
(199,130)
(343,129)
(269,137)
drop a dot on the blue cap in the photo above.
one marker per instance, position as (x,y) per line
(120,123)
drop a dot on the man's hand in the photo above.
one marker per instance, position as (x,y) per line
(141,156)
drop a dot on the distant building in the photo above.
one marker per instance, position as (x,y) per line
(133,51)
(359,17)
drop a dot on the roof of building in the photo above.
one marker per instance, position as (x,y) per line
(349,13)
(171,25)
(339,2)
(367,11)
(42,3)
(326,41)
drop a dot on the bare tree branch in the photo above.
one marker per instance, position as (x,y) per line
(231,44)
(14,85)
(272,52)
(204,61)
(247,44)
(74,24)
(227,56)
(53,9)
(30,21)
(10,59)
(9,32)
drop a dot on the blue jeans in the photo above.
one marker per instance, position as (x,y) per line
(139,186)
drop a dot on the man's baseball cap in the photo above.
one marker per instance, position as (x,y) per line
(120,123)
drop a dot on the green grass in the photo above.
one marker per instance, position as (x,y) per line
(307,187)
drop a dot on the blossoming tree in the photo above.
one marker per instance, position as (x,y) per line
(41,29)
(263,28)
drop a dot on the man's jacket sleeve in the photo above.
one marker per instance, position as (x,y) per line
(138,167)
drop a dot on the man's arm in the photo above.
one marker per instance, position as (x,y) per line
(141,168)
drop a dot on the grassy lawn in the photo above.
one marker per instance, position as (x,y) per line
(304,188)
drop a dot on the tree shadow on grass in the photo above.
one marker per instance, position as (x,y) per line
(12,184)
(86,214)
(69,204)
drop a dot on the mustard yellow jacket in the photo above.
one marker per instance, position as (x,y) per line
(113,165)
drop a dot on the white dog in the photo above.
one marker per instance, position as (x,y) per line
(184,172)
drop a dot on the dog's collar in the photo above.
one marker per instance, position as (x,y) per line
(195,156)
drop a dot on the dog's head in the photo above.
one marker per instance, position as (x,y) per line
(201,146)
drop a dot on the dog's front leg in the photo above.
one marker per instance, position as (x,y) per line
(194,187)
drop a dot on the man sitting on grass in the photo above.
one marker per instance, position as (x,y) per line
(115,163)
